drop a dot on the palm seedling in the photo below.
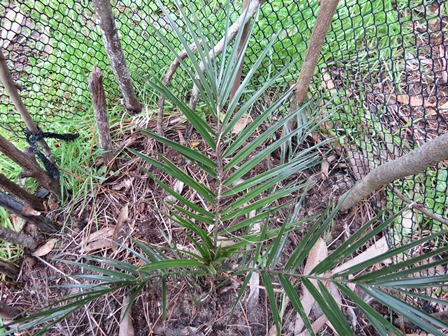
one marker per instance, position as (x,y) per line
(232,218)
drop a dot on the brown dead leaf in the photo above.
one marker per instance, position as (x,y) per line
(125,184)
(444,106)
(122,218)
(99,239)
(126,326)
(414,101)
(318,253)
(380,247)
(45,248)
(241,124)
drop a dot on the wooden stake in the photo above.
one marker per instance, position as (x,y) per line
(105,18)
(99,107)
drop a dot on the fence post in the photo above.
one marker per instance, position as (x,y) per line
(103,11)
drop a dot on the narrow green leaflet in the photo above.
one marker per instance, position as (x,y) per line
(416,316)
(202,127)
(265,277)
(329,307)
(382,325)
(187,152)
(352,244)
(180,198)
(389,254)
(294,298)
(171,264)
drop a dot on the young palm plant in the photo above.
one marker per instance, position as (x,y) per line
(232,218)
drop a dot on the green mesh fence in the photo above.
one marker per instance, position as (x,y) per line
(384,64)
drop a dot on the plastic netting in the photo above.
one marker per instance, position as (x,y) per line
(384,64)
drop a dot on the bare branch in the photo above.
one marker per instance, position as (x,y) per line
(418,160)
(9,84)
(30,166)
(323,22)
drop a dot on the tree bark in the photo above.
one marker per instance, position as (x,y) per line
(13,237)
(99,107)
(418,160)
(10,86)
(15,190)
(114,52)
(30,166)
(323,22)
(26,213)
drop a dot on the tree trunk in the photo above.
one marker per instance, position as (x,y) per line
(418,160)
(323,22)
(114,52)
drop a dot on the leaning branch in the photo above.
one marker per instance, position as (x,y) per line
(320,29)
(30,166)
(418,160)
(9,84)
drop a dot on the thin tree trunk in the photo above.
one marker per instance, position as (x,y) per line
(30,166)
(99,107)
(10,86)
(323,22)
(15,190)
(418,160)
(26,213)
(114,52)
